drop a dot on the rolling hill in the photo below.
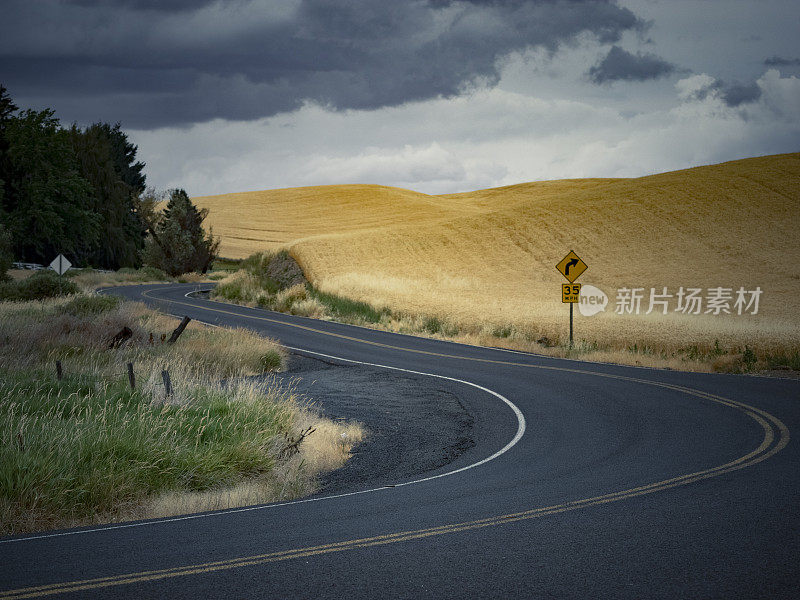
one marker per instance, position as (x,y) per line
(487,257)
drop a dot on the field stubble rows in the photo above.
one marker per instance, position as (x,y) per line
(482,263)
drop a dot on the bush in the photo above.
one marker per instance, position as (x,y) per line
(275,271)
(749,358)
(239,287)
(40,285)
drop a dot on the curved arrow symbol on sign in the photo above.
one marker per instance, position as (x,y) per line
(571,263)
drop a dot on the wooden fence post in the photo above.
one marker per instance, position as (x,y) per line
(167,382)
(178,330)
(131,376)
(59,370)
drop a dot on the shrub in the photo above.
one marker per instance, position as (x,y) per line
(286,299)
(240,287)
(749,358)
(275,271)
(40,285)
(432,325)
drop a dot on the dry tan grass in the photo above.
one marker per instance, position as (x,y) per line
(486,259)
(207,368)
(40,331)
(19,274)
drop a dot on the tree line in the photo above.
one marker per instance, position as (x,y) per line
(82,192)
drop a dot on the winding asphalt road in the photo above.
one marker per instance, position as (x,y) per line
(586,481)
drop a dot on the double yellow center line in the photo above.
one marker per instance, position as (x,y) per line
(776,437)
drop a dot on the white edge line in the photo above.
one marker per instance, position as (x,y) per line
(503,450)
(494,348)
(580,361)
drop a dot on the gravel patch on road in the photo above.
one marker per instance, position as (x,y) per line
(414,424)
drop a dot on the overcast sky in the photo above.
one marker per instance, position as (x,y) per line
(434,95)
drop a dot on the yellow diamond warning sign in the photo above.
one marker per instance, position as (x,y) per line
(571,266)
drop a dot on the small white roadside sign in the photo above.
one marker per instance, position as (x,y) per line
(60,265)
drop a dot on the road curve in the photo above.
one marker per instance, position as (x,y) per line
(587,480)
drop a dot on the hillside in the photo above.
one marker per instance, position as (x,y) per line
(488,256)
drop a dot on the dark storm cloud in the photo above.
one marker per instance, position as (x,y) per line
(152,64)
(739,93)
(159,5)
(731,93)
(779,61)
(620,64)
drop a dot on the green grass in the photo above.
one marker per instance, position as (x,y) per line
(239,289)
(346,309)
(86,445)
(784,361)
(84,305)
(227,264)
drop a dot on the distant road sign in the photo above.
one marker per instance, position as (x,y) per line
(570,292)
(60,265)
(571,266)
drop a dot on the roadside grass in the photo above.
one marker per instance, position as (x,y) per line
(88,445)
(347,310)
(90,279)
(89,449)
(697,343)
(273,280)
(227,264)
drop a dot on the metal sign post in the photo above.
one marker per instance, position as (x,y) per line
(571,267)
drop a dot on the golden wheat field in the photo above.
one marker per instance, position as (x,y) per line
(486,259)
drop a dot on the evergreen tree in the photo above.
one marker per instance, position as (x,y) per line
(74,191)
(123,153)
(6,258)
(47,205)
(178,243)
(122,232)
(7,109)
